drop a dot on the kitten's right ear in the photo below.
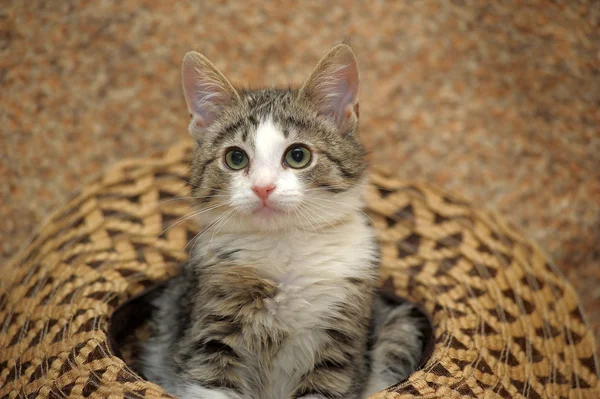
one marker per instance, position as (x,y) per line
(206,92)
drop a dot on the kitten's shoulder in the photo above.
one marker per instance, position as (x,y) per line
(171,315)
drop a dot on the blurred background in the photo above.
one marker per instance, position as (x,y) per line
(497,101)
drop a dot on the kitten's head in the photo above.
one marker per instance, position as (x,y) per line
(275,159)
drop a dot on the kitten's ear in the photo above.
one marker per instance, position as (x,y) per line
(206,91)
(332,87)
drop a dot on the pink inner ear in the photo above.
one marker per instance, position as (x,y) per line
(349,110)
(199,122)
(332,87)
(336,88)
(206,90)
(207,97)
(342,95)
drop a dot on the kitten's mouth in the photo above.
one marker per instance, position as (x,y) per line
(265,210)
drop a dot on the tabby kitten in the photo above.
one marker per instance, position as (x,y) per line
(276,301)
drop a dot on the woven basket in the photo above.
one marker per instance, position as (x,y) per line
(506,323)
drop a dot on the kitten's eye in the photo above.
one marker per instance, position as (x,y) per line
(297,157)
(236,159)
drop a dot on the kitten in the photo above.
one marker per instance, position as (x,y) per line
(277,299)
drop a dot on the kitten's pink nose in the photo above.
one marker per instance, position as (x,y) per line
(263,192)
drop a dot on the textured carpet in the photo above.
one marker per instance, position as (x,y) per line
(498,101)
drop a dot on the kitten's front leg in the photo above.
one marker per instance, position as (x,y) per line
(212,372)
(339,370)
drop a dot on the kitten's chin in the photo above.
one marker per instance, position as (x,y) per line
(269,220)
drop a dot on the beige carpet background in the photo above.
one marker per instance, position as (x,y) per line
(499,101)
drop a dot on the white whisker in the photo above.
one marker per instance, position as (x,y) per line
(338,203)
(231,213)
(190,216)
(310,214)
(299,221)
(321,209)
(316,213)
(204,231)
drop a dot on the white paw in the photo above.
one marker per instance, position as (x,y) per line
(198,392)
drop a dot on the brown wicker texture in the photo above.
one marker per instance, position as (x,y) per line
(506,323)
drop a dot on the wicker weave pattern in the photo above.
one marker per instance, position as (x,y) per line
(506,324)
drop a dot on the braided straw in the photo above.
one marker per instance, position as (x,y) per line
(506,323)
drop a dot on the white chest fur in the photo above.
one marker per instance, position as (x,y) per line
(309,270)
(307,267)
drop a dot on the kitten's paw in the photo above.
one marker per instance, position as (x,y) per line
(199,392)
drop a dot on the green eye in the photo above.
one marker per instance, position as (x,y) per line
(297,157)
(236,159)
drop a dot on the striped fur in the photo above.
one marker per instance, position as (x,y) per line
(276,301)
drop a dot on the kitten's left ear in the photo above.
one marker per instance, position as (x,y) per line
(332,87)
